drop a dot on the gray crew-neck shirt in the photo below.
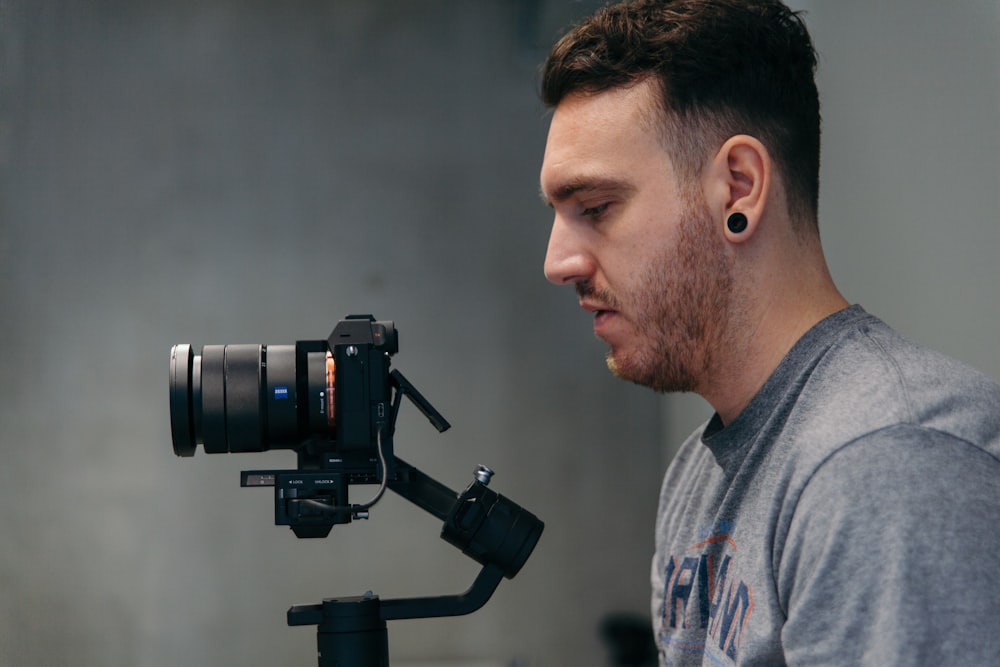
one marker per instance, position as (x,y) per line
(849,515)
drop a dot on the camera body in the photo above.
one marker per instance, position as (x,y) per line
(361,348)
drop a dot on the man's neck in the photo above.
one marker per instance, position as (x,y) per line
(776,309)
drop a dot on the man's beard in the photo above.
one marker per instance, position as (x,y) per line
(680,312)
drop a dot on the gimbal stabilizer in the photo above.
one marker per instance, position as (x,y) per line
(486,526)
(335,403)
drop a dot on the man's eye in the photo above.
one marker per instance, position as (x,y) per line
(595,211)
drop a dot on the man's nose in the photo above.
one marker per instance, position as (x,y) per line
(566,260)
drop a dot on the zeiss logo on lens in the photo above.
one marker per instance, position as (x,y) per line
(280,392)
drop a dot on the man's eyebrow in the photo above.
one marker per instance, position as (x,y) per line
(585,185)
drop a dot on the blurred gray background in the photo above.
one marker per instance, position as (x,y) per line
(240,171)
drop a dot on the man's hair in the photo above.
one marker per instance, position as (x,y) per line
(724,67)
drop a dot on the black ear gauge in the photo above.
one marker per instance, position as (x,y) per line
(737,222)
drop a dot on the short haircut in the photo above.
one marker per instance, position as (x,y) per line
(724,67)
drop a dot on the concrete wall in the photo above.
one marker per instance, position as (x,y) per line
(231,172)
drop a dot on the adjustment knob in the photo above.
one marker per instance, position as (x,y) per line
(483,475)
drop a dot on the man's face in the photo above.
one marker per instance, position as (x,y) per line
(643,253)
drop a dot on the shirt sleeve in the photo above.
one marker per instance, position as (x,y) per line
(892,555)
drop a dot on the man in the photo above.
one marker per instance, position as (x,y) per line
(843,504)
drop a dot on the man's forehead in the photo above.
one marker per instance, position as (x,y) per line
(595,139)
(625,106)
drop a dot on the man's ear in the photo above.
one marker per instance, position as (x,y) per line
(739,178)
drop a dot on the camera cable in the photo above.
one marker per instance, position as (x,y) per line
(357,511)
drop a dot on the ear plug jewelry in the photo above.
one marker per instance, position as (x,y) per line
(737,222)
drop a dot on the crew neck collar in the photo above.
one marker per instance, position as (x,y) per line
(728,442)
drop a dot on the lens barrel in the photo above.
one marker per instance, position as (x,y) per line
(246,398)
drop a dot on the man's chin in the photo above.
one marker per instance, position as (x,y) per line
(621,369)
(658,380)
(612,363)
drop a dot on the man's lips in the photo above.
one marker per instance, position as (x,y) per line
(596,308)
(602,314)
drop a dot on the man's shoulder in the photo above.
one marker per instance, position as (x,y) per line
(908,460)
(871,378)
(909,362)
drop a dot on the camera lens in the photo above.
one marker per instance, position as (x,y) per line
(246,398)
